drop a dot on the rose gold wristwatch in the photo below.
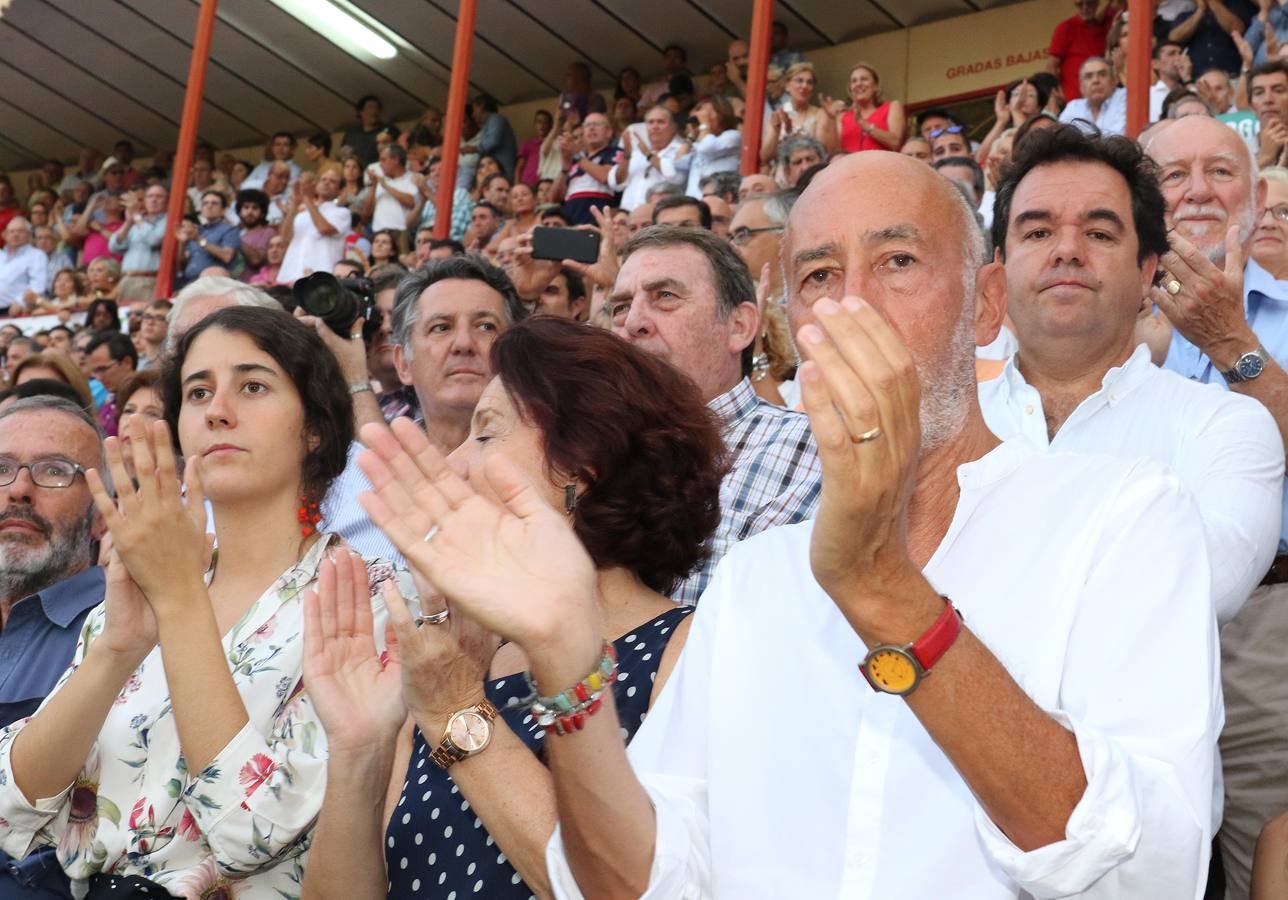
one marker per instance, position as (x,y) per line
(468,732)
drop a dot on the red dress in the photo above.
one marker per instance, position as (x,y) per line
(854,138)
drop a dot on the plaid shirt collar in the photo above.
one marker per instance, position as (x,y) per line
(735,403)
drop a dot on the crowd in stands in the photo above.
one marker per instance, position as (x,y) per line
(370,564)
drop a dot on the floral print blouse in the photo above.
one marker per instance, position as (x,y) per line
(241,827)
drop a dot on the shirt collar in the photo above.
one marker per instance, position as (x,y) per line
(1256,278)
(67,599)
(734,403)
(1118,381)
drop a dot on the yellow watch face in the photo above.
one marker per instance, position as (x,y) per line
(892,670)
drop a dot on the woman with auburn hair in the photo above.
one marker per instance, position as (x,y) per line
(59,367)
(621,446)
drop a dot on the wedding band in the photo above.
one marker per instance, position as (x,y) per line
(1173,287)
(867,436)
(429,535)
(356,337)
(437,618)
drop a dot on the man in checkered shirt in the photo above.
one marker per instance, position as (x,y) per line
(685,295)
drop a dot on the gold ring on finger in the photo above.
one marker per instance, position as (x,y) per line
(871,435)
(1173,287)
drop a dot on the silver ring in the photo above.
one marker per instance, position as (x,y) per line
(429,535)
(867,436)
(356,337)
(1173,287)
(437,618)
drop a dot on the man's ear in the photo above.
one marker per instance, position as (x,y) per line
(402,365)
(744,326)
(577,309)
(990,300)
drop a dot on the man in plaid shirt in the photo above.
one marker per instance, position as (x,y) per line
(685,295)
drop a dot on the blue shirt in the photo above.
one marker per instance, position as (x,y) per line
(36,647)
(1265,303)
(39,639)
(219,233)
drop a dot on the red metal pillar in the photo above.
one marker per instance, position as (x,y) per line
(187,141)
(456,96)
(1140,18)
(753,116)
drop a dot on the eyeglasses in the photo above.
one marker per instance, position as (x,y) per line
(149,317)
(50,472)
(103,368)
(951,129)
(1279,211)
(744,234)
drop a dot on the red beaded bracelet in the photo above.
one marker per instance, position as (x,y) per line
(567,712)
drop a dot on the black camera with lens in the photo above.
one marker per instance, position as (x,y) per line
(338,301)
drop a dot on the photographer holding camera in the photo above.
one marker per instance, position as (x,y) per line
(314,234)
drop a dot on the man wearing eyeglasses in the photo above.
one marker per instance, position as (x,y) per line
(48,580)
(111,358)
(153,332)
(1270,240)
(1102,104)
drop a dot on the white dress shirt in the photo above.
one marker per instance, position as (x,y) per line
(1113,112)
(21,270)
(388,212)
(642,175)
(713,153)
(1224,447)
(776,771)
(310,250)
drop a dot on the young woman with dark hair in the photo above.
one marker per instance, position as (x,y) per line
(621,445)
(192,651)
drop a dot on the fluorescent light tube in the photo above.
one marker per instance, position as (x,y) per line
(339,27)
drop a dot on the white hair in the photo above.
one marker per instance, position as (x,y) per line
(215,286)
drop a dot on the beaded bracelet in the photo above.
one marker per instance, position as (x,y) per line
(567,711)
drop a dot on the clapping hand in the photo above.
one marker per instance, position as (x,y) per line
(1001,109)
(444,663)
(1207,307)
(514,564)
(130,628)
(860,388)
(161,539)
(357,693)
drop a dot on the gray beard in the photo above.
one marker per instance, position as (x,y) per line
(948,384)
(25,570)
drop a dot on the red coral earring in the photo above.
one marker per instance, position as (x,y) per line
(309,516)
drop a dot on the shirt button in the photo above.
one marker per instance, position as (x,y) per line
(1028,410)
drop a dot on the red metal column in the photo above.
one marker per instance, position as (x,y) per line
(187,141)
(456,95)
(753,116)
(1140,18)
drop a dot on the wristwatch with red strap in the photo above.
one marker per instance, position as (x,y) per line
(892,669)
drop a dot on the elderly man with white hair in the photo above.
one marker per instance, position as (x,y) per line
(208,295)
(22,267)
(1231,328)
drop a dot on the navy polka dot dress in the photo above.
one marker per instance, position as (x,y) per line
(435,846)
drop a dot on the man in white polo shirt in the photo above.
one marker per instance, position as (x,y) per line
(315,234)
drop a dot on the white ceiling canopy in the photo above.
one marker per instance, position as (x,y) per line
(89,72)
